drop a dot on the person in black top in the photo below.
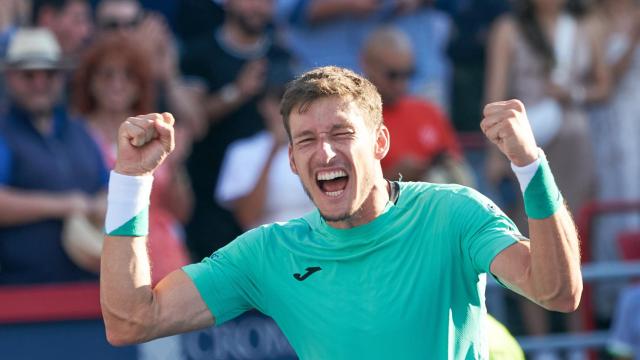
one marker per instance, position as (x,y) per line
(234,63)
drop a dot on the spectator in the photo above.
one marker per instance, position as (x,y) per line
(256,182)
(234,62)
(150,31)
(333,32)
(615,128)
(13,14)
(113,82)
(471,20)
(69,20)
(422,137)
(50,168)
(624,341)
(555,77)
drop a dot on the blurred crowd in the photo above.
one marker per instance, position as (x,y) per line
(73,70)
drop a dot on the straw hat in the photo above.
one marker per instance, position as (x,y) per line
(33,49)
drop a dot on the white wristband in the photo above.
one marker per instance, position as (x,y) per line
(526,173)
(128,197)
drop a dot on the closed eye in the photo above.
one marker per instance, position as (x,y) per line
(304,141)
(344,134)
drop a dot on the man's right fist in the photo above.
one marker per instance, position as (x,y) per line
(143,143)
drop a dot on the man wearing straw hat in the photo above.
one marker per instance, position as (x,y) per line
(50,168)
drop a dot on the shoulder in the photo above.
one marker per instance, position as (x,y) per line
(424,106)
(450,196)
(288,229)
(248,147)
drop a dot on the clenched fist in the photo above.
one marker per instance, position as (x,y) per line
(143,143)
(505,123)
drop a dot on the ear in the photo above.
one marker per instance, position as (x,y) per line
(383,141)
(292,162)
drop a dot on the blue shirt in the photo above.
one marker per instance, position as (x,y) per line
(65,160)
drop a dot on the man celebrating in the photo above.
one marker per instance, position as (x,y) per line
(380,269)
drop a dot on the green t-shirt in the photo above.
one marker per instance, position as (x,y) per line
(408,285)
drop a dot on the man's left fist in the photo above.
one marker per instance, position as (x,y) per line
(505,123)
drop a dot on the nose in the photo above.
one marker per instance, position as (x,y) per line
(39,79)
(326,151)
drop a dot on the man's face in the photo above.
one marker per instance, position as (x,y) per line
(118,16)
(390,72)
(337,156)
(36,91)
(71,25)
(252,15)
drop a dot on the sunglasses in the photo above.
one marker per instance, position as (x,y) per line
(30,75)
(118,24)
(404,74)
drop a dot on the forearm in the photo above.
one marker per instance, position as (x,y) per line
(556,281)
(217,107)
(126,295)
(182,102)
(30,206)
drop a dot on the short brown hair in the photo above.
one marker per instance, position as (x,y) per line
(330,81)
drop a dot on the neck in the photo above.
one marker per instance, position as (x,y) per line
(373,206)
(237,37)
(43,123)
(41,120)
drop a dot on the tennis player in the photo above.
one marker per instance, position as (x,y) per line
(381,269)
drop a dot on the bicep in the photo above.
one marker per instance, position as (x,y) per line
(179,306)
(512,266)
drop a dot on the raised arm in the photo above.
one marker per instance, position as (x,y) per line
(133,310)
(545,269)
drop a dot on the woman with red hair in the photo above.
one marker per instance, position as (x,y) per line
(114,81)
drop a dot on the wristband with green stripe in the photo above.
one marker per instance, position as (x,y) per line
(136,226)
(542,198)
(128,205)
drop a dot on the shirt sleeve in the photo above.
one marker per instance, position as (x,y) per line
(485,230)
(5,162)
(226,280)
(623,333)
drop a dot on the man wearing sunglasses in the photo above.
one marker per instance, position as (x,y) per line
(50,168)
(425,146)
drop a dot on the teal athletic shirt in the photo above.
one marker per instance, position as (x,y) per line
(408,285)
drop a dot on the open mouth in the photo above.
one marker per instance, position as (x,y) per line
(333,182)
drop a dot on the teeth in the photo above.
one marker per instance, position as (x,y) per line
(334,193)
(330,175)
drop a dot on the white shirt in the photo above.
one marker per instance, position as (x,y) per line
(241,168)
